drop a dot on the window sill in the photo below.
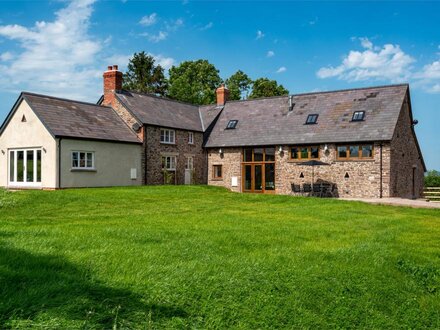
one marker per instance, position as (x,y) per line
(168,143)
(217,179)
(83,170)
(302,160)
(355,160)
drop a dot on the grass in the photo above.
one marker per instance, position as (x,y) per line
(202,257)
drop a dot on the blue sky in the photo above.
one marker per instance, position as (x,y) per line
(62,47)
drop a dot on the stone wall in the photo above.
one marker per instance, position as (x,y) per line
(405,159)
(363,181)
(230,160)
(130,120)
(181,149)
(364,176)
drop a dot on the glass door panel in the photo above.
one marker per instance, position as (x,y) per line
(269,176)
(30,166)
(38,166)
(20,166)
(12,166)
(258,181)
(248,177)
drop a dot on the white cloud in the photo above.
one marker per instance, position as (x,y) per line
(207,26)
(260,35)
(160,36)
(313,22)
(282,69)
(435,89)
(430,71)
(58,57)
(366,43)
(149,20)
(374,63)
(173,25)
(270,53)
(6,56)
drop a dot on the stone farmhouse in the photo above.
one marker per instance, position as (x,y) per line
(362,141)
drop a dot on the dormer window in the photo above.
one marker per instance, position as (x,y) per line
(311,119)
(358,116)
(232,124)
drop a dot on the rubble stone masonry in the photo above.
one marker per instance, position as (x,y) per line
(363,175)
(181,149)
(405,159)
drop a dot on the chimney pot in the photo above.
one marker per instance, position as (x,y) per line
(115,67)
(109,68)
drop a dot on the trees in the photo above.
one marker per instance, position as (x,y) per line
(144,76)
(263,87)
(194,82)
(432,179)
(238,84)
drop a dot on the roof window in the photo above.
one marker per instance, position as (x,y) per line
(311,119)
(358,116)
(232,124)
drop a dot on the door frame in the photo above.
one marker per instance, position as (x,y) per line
(253,164)
(25,183)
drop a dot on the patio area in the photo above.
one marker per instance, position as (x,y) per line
(415,203)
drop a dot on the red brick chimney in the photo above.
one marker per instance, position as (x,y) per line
(222,95)
(112,84)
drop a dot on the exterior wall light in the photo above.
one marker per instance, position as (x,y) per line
(220,151)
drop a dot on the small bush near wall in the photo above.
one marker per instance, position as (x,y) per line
(432,179)
(7,198)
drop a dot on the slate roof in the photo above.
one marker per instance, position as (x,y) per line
(268,121)
(74,119)
(159,111)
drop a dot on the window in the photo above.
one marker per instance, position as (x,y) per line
(358,116)
(311,119)
(232,124)
(167,136)
(190,138)
(83,160)
(304,153)
(355,151)
(189,163)
(169,163)
(217,171)
(259,154)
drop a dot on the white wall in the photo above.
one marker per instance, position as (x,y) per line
(113,164)
(29,134)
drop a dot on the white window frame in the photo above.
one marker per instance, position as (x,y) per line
(167,136)
(24,183)
(189,163)
(190,138)
(78,166)
(169,163)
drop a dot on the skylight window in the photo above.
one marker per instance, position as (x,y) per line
(232,124)
(311,119)
(358,116)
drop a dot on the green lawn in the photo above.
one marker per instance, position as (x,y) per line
(201,257)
